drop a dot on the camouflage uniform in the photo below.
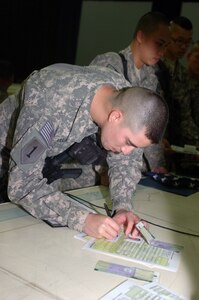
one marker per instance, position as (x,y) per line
(177,88)
(54,115)
(154,154)
(3,95)
(9,112)
(194,95)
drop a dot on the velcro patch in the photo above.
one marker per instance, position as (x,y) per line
(47,133)
(31,152)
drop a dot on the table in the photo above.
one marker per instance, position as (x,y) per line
(41,262)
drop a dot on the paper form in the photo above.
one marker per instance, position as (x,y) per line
(129,291)
(138,251)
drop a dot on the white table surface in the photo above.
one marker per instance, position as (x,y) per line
(40,262)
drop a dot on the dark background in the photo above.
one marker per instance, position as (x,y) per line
(36,33)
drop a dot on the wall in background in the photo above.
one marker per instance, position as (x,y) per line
(191,11)
(36,33)
(107,26)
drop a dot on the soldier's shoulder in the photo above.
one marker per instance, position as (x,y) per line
(106,57)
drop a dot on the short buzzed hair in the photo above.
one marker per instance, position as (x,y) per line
(183,22)
(150,22)
(143,108)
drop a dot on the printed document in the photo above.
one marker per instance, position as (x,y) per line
(138,251)
(129,291)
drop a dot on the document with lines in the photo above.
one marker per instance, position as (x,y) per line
(138,251)
(129,291)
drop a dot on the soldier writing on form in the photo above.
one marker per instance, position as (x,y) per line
(57,109)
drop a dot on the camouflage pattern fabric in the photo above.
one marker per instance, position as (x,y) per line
(113,61)
(194,96)
(3,95)
(148,79)
(182,127)
(54,115)
(9,112)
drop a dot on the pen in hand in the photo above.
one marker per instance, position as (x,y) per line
(109,215)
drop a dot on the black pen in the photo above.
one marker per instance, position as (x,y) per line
(107,210)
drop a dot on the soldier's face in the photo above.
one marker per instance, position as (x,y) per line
(116,138)
(152,46)
(180,41)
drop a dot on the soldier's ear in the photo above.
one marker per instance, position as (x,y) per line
(115,116)
(140,36)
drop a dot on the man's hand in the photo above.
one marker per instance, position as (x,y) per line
(128,219)
(100,226)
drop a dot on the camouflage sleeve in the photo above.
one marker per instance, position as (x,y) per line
(28,188)
(159,90)
(154,155)
(155,77)
(110,60)
(195,105)
(189,129)
(43,201)
(124,174)
(7,124)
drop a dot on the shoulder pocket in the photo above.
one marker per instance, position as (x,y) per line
(30,149)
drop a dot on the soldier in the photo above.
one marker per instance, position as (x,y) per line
(137,61)
(193,80)
(58,109)
(182,128)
